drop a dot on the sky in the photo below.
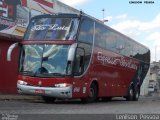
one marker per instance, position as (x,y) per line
(140,22)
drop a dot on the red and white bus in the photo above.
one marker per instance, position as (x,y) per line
(76,56)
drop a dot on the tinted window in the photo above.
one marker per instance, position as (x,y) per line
(144,54)
(120,45)
(128,48)
(100,36)
(111,41)
(135,50)
(86,31)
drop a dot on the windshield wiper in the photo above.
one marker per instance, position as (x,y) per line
(30,73)
(53,74)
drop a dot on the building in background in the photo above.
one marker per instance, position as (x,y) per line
(144,87)
(14,18)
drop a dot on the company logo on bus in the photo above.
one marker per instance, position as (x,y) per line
(116,61)
(49,27)
(40,83)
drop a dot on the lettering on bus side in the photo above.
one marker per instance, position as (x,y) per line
(76,89)
(116,61)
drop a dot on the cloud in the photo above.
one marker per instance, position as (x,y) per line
(154,37)
(73,2)
(155,23)
(124,16)
(125,25)
(140,25)
(148,32)
(128,27)
(109,18)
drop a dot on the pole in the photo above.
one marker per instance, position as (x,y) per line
(155,53)
(103,13)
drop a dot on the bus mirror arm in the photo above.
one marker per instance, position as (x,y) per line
(9,52)
(71,52)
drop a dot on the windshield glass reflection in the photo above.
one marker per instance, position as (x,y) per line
(46,60)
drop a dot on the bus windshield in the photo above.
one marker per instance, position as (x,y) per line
(44,60)
(52,29)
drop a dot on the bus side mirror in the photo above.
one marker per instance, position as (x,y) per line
(9,52)
(71,52)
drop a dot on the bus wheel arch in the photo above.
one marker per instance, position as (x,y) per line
(92,92)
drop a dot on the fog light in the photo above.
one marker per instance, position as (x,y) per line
(62,85)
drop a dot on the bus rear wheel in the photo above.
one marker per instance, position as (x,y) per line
(130,95)
(136,94)
(48,99)
(93,93)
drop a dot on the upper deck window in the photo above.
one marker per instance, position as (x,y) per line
(52,29)
(86,31)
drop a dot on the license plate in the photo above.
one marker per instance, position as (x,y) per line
(39,91)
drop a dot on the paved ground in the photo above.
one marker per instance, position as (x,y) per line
(28,108)
(17,97)
(117,105)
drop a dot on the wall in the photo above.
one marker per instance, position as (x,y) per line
(144,87)
(8,70)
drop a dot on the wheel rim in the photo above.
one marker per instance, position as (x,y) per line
(137,94)
(131,92)
(91,93)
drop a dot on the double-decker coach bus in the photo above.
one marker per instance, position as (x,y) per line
(77,56)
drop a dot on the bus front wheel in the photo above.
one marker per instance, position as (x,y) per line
(93,93)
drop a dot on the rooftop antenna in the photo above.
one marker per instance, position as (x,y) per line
(155,53)
(103,10)
(103,20)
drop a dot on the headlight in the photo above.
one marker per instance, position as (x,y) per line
(62,85)
(22,82)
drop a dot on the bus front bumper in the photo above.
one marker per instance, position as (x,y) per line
(64,92)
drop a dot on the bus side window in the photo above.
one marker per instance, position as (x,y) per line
(79,62)
(136,51)
(120,46)
(111,41)
(100,36)
(128,49)
(86,31)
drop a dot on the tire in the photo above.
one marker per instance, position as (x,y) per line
(93,93)
(130,95)
(136,94)
(48,99)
